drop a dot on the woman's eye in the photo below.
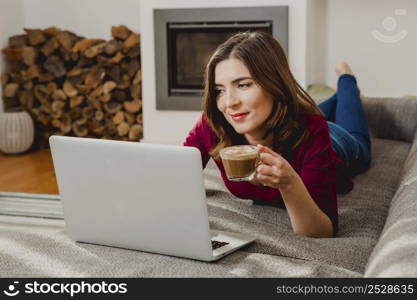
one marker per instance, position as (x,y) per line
(244,85)
(219,91)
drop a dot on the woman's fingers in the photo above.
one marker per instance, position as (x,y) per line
(267,170)
(270,181)
(264,149)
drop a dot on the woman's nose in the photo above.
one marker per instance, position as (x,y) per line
(231,99)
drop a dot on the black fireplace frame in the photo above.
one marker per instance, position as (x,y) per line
(277,16)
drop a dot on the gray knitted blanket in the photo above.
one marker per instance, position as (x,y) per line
(33,246)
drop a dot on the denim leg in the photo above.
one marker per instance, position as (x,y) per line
(349,111)
(328,107)
(355,154)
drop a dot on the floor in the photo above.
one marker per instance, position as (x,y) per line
(32,172)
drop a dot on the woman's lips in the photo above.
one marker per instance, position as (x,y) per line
(238,117)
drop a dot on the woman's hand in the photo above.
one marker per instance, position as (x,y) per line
(273,170)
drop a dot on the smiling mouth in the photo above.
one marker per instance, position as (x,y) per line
(239,117)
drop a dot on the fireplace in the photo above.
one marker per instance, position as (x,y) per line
(186,38)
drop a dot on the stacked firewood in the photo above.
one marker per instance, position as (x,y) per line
(76,86)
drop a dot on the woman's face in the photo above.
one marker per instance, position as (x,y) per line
(244,104)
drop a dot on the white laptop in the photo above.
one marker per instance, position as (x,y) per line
(146,197)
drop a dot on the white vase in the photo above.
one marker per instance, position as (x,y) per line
(16,132)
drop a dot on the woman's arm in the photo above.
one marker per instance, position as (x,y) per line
(305,215)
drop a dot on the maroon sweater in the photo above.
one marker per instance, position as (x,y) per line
(319,166)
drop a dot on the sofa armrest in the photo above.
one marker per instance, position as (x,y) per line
(391,118)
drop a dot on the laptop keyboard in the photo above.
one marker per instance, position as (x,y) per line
(216,244)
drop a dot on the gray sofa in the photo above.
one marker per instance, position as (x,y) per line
(377,235)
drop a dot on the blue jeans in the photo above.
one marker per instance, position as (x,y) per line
(348,125)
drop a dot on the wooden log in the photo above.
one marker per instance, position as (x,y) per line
(132,106)
(95,76)
(88,112)
(99,115)
(55,66)
(26,98)
(46,107)
(28,85)
(79,130)
(133,67)
(4,78)
(59,95)
(138,77)
(103,61)
(32,72)
(66,123)
(108,87)
(123,129)
(18,40)
(95,127)
(75,113)
(10,90)
(57,109)
(124,83)
(115,74)
(82,120)
(95,103)
(51,31)
(50,46)
(67,40)
(85,62)
(83,44)
(13,54)
(131,41)
(135,132)
(117,58)
(119,95)
(119,117)
(45,77)
(41,93)
(112,47)
(130,118)
(105,98)
(134,52)
(95,50)
(120,32)
(35,36)
(51,87)
(76,101)
(75,72)
(56,123)
(135,90)
(112,107)
(64,54)
(139,119)
(97,92)
(29,55)
(69,89)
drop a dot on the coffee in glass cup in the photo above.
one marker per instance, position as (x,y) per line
(240,162)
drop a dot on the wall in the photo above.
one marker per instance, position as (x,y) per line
(382,69)
(173,126)
(89,18)
(11,23)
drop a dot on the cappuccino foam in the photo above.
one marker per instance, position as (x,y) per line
(240,152)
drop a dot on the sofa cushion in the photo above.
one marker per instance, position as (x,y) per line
(395,254)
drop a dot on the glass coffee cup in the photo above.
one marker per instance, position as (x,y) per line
(240,162)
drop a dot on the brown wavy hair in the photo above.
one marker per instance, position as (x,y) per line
(268,66)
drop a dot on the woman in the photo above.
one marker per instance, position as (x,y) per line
(251,97)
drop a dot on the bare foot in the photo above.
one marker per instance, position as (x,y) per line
(342,67)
